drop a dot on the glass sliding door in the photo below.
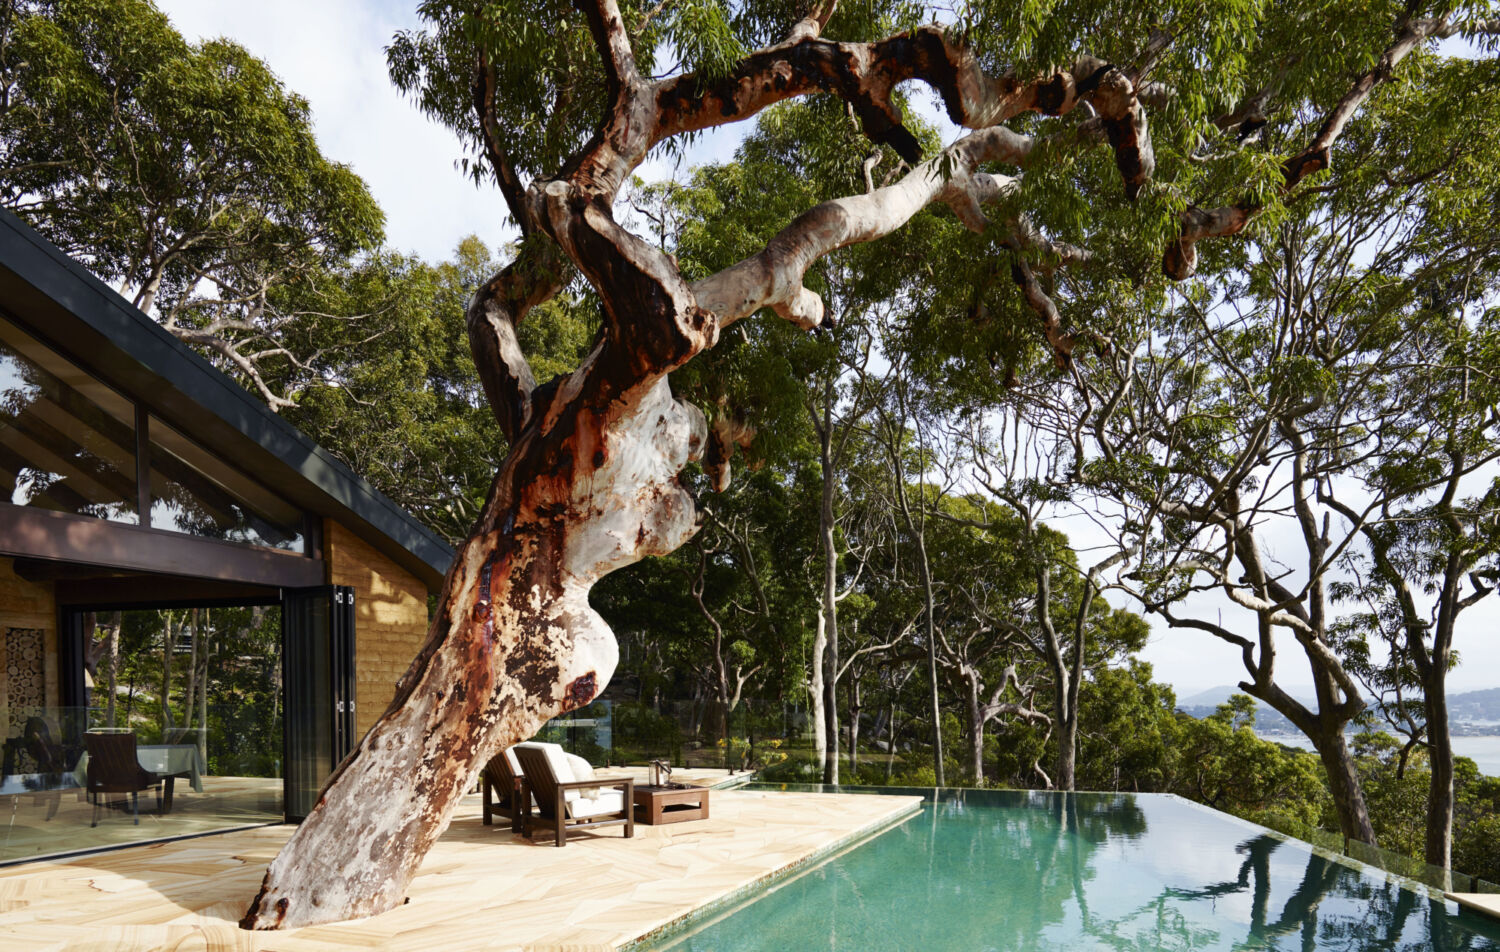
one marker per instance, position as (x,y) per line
(171,725)
(318,654)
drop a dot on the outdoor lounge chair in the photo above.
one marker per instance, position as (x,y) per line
(113,768)
(563,800)
(501,780)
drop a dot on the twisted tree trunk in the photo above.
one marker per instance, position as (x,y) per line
(514,644)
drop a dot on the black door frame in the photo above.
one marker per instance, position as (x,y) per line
(338,694)
(333,698)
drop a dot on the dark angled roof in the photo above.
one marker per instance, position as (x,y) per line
(61,302)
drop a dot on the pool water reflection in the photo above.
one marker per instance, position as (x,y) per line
(1004,870)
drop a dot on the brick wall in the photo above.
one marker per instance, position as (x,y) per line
(26,604)
(390,618)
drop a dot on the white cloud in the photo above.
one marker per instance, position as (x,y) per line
(332,53)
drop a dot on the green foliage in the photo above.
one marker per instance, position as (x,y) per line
(1474,847)
(408,412)
(1127,731)
(236,682)
(186,174)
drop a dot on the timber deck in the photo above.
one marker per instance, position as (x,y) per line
(479,888)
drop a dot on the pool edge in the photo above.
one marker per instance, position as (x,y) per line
(1485,904)
(738,895)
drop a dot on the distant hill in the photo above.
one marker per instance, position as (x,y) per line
(1470,706)
(1475,705)
(1210,698)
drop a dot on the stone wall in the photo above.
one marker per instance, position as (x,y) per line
(390,618)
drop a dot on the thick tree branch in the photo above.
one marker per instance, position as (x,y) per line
(866,74)
(537,274)
(773,277)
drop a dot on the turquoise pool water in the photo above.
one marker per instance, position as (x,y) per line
(1000,870)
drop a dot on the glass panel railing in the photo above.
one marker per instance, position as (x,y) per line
(696,734)
(1397,863)
(70,783)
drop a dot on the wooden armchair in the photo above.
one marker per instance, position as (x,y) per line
(113,768)
(565,801)
(503,789)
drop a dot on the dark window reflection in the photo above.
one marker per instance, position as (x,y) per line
(67,442)
(195,492)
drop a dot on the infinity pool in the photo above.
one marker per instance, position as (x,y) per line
(1001,870)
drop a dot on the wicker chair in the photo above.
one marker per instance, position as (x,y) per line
(113,768)
(565,801)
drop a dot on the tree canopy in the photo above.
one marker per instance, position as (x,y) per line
(185,174)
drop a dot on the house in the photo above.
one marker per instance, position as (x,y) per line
(150,500)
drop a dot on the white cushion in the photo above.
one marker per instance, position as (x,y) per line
(515,764)
(582,769)
(568,768)
(608,801)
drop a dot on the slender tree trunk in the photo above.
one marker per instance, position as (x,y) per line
(890,746)
(1438,848)
(1433,669)
(829,610)
(111,667)
(1067,750)
(976,728)
(929,611)
(1067,721)
(203,693)
(854,729)
(817,696)
(168,637)
(831,708)
(190,693)
(720,674)
(918,528)
(1344,784)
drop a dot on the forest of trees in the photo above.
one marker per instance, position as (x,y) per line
(1000,450)
(204,676)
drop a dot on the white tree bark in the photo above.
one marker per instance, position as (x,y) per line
(516,643)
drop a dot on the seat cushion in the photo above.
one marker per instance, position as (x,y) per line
(608,801)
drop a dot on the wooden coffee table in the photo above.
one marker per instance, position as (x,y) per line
(658,805)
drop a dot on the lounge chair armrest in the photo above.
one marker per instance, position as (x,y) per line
(604,782)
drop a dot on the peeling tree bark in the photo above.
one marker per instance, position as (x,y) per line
(515,643)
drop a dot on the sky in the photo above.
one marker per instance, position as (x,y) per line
(332,52)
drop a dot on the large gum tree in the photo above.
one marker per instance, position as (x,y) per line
(560,105)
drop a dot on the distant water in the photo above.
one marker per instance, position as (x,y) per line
(1483,750)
